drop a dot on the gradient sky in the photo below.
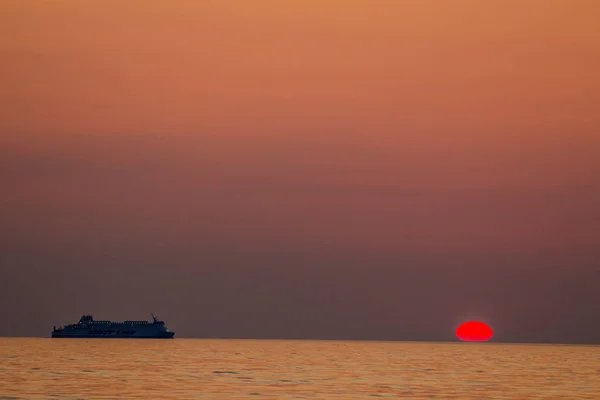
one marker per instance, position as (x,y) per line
(335,169)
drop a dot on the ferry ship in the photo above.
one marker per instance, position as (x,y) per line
(87,327)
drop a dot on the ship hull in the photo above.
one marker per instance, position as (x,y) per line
(113,334)
(59,336)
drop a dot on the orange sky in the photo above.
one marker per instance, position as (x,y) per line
(404,71)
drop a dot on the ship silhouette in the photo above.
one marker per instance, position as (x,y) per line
(87,327)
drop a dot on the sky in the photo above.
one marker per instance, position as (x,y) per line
(327,169)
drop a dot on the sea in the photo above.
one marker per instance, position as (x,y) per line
(293,369)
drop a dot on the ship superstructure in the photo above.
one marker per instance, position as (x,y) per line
(87,327)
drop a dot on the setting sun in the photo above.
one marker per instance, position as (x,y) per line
(474,331)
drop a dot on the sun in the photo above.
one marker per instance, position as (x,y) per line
(474,331)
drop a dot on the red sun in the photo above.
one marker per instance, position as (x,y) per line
(474,331)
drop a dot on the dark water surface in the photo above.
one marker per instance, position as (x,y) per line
(254,369)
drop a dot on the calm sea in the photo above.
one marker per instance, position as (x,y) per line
(255,369)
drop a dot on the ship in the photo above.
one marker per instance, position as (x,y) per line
(88,327)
